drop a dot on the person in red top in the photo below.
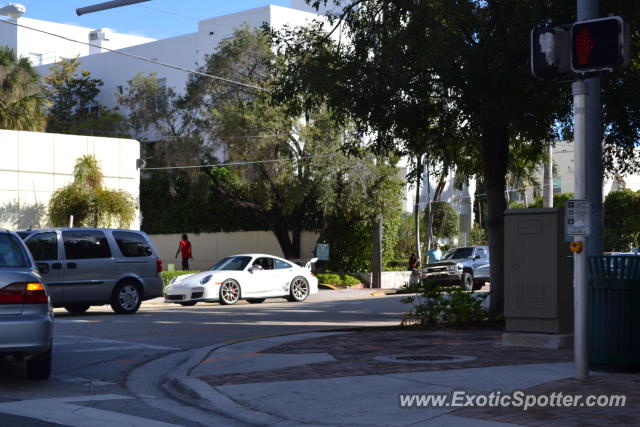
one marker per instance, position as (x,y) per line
(185,249)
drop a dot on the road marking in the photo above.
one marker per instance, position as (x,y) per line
(62,411)
(77,321)
(78,380)
(104,344)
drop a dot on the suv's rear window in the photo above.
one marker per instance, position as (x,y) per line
(85,244)
(12,253)
(132,244)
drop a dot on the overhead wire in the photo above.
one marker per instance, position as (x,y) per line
(140,58)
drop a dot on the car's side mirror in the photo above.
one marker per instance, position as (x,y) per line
(255,267)
(43,267)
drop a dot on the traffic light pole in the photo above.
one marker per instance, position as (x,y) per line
(580,257)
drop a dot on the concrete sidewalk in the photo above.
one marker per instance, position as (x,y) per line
(356,378)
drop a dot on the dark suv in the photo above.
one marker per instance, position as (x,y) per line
(95,266)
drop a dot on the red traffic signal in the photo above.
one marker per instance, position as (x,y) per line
(599,45)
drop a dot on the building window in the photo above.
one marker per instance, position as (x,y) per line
(36,58)
(557,187)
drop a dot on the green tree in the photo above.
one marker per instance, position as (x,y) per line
(22,102)
(90,203)
(445,221)
(621,220)
(287,169)
(74,108)
(450,71)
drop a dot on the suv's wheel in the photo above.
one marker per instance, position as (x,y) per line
(126,298)
(39,368)
(467,281)
(299,290)
(77,308)
(229,292)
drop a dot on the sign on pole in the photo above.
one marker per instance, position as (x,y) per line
(578,217)
(322,251)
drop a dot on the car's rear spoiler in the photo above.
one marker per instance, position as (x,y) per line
(311,261)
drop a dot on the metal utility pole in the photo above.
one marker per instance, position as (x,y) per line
(580,257)
(588,9)
(106,5)
(547,180)
(416,207)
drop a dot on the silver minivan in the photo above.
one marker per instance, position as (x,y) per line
(95,266)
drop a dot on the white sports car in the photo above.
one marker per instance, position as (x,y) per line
(253,277)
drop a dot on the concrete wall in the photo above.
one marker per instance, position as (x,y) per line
(208,248)
(33,165)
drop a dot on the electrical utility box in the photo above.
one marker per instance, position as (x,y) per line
(538,277)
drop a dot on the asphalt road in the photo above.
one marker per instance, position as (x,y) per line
(108,368)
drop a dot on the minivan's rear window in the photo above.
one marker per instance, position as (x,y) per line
(12,253)
(132,244)
(85,244)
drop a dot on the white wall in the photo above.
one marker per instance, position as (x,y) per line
(33,165)
(209,248)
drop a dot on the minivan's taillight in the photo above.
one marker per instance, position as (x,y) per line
(158,265)
(24,293)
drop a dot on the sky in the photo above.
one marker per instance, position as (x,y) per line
(156,19)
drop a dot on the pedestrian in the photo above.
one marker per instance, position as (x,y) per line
(435,254)
(414,265)
(185,249)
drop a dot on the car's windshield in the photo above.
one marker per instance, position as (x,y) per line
(236,263)
(23,234)
(12,254)
(458,253)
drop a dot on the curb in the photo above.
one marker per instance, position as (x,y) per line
(183,387)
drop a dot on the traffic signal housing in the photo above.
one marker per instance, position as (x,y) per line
(599,45)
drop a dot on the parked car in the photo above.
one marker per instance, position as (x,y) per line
(26,315)
(95,266)
(253,277)
(466,266)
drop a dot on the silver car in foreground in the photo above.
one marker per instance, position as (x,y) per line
(26,315)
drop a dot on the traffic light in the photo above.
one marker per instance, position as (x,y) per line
(550,57)
(599,45)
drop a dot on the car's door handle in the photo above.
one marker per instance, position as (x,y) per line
(72,265)
(56,266)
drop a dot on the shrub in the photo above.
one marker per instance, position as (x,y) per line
(438,306)
(338,279)
(168,275)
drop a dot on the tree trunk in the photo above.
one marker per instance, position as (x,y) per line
(286,242)
(416,208)
(495,154)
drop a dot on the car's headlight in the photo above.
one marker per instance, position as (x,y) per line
(205,280)
(172,281)
(456,267)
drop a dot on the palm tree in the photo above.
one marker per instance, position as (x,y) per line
(88,201)
(22,101)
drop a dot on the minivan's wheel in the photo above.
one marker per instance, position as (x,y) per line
(77,308)
(255,300)
(299,290)
(39,368)
(467,281)
(188,303)
(126,298)
(229,292)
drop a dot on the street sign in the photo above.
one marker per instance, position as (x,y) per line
(578,217)
(322,251)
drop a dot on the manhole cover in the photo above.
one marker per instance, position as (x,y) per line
(424,358)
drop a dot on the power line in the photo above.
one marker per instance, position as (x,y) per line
(140,58)
(169,12)
(227,164)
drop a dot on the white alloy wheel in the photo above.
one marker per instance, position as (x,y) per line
(299,289)
(126,298)
(229,292)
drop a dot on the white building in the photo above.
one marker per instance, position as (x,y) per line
(33,165)
(17,32)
